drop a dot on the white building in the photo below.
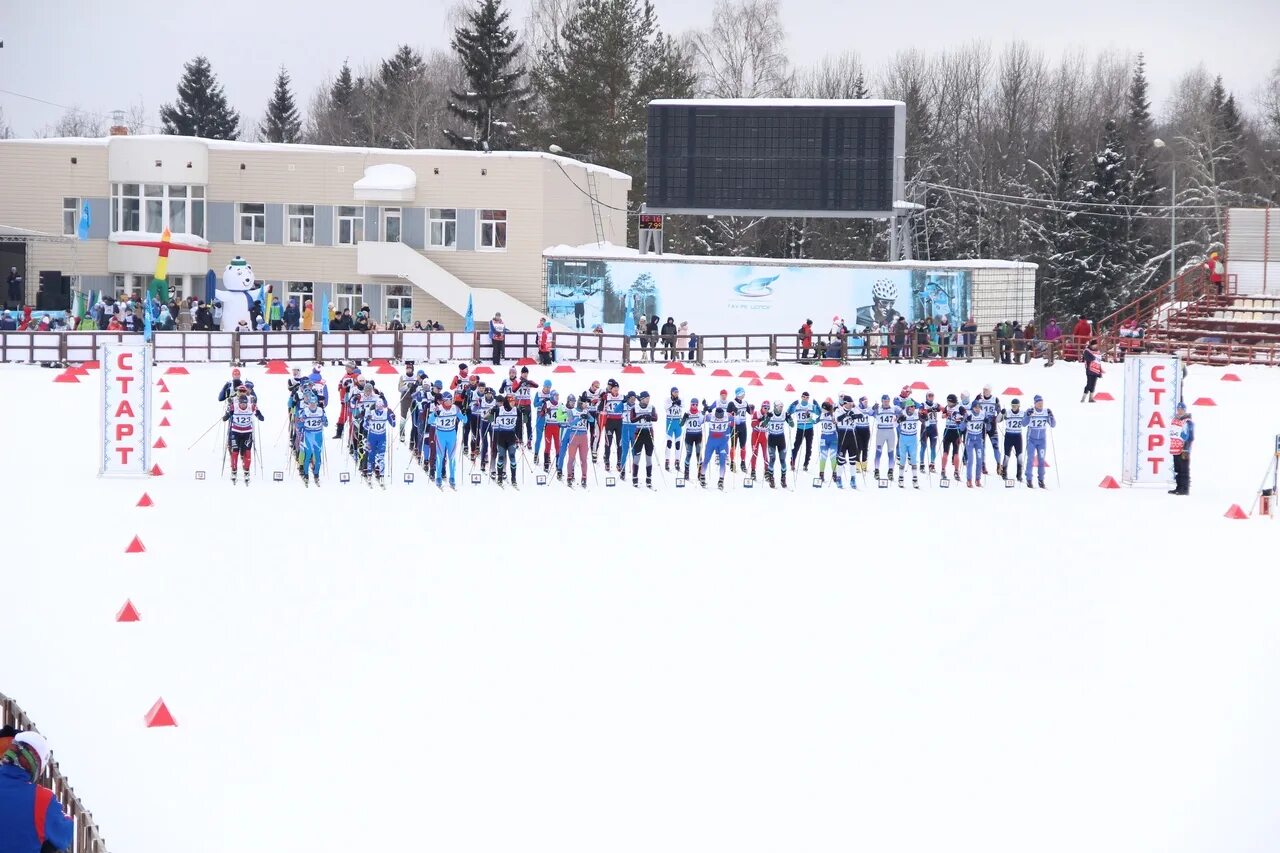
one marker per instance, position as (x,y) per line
(408,232)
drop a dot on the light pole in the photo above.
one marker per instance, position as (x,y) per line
(1173,212)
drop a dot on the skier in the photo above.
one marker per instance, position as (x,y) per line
(1182,434)
(827,442)
(692,422)
(346,385)
(1039,421)
(550,414)
(759,441)
(461,379)
(423,437)
(230,387)
(804,414)
(953,415)
(885,414)
(445,421)
(675,419)
(524,402)
(541,397)
(577,431)
(929,433)
(1014,419)
(975,445)
(375,425)
(593,395)
(643,416)
(991,408)
(311,423)
(909,444)
(775,421)
(862,414)
(487,403)
(614,405)
(628,432)
(719,424)
(506,419)
(737,409)
(240,419)
(407,385)
(846,420)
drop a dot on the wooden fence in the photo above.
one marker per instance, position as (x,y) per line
(58,348)
(85,838)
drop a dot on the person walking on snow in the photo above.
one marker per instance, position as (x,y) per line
(1039,421)
(1092,370)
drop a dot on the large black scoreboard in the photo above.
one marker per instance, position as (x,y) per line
(775,157)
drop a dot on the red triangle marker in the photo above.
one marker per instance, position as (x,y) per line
(756,381)
(1013,391)
(1230,377)
(829,362)
(818,377)
(164,422)
(563,368)
(145,500)
(920,386)
(164,389)
(1108,482)
(66,376)
(720,371)
(135,547)
(167,406)
(633,368)
(1235,512)
(748,374)
(1103,397)
(672,365)
(159,716)
(525,362)
(156,470)
(938,362)
(1204,401)
(385,369)
(483,368)
(774,376)
(128,613)
(853,380)
(790,389)
(177,371)
(160,445)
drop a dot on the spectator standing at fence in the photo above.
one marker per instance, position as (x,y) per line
(498,337)
(546,340)
(1216,271)
(693,346)
(308,316)
(944,336)
(968,335)
(1082,332)
(922,340)
(682,339)
(1092,370)
(669,339)
(651,335)
(899,339)
(806,341)
(31,818)
(292,316)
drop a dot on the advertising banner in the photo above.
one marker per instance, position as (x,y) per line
(1152,389)
(126,410)
(724,298)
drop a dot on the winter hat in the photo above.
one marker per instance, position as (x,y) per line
(29,751)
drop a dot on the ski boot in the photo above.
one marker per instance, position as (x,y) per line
(306,481)
(915,478)
(246,478)
(648,481)
(1042,485)
(381,482)
(668,465)
(234,474)
(546,466)
(890,474)
(784,478)
(835,478)
(560,475)
(570,481)
(341,424)
(901,480)
(733,467)
(969,483)
(822,477)
(317,481)
(877,475)
(932,468)
(702,479)
(720,485)
(999,469)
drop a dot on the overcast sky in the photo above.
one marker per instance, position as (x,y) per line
(105,54)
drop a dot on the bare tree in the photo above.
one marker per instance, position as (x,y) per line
(743,53)
(75,122)
(135,118)
(5,131)
(840,77)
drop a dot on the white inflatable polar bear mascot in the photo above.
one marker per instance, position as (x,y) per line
(237,294)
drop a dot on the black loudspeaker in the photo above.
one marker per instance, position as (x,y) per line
(55,291)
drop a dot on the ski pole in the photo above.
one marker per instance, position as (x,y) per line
(206,432)
(1057,475)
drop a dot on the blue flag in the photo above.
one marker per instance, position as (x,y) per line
(629,323)
(210,286)
(324,315)
(82,227)
(470,323)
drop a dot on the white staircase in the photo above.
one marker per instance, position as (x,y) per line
(401,261)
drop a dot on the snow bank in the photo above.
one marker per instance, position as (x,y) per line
(388,177)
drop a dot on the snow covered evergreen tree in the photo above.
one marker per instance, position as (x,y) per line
(201,108)
(282,122)
(495,93)
(1101,264)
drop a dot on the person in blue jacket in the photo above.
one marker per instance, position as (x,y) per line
(30,815)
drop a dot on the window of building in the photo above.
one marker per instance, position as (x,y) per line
(348,297)
(300,224)
(444,228)
(391,225)
(126,207)
(177,209)
(153,208)
(70,216)
(493,229)
(299,290)
(185,205)
(399,303)
(253,224)
(350,225)
(119,284)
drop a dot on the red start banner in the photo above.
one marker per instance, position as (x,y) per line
(126,410)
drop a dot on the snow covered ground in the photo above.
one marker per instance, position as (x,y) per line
(611,670)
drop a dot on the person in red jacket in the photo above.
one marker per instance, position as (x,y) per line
(806,340)
(1080,334)
(546,341)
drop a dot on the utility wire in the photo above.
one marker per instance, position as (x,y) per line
(1002,196)
(63,106)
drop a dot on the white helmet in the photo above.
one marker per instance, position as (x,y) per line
(885,289)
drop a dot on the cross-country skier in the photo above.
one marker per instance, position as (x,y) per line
(1014,419)
(376,424)
(975,434)
(991,408)
(675,418)
(407,385)
(953,415)
(524,403)
(613,405)
(804,414)
(862,414)
(643,416)
(240,419)
(885,414)
(540,398)
(909,443)
(311,423)
(719,424)
(506,418)
(846,420)
(692,421)
(827,441)
(1039,421)
(759,440)
(593,395)
(775,422)
(444,424)
(628,432)
(553,418)
(737,409)
(929,410)
(577,438)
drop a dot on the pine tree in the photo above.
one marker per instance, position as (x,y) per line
(496,93)
(860,90)
(1140,184)
(201,108)
(1101,269)
(282,123)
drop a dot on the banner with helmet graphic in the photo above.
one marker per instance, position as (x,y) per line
(720,298)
